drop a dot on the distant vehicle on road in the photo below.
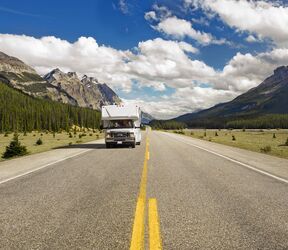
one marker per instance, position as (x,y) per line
(122,125)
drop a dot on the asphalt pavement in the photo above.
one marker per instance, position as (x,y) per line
(194,195)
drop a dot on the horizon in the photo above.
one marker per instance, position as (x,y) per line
(171,58)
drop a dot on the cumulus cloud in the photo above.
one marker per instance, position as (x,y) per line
(180,28)
(156,63)
(84,56)
(267,19)
(184,100)
(251,39)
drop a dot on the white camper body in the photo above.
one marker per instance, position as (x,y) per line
(122,125)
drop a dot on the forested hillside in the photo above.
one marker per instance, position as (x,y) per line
(20,112)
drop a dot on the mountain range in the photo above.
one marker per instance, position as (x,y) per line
(56,85)
(270,97)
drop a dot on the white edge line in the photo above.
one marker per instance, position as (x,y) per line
(44,166)
(230,159)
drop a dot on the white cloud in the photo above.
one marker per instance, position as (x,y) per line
(180,28)
(251,39)
(183,100)
(84,56)
(267,19)
(157,63)
(151,15)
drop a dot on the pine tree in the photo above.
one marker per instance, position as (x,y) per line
(15,148)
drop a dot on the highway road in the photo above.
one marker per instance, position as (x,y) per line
(172,192)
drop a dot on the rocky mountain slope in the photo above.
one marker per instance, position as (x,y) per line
(270,97)
(56,85)
(146,118)
(87,92)
(21,76)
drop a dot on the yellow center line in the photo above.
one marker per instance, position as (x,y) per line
(154,226)
(137,240)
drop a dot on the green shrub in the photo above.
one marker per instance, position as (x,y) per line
(90,134)
(286,143)
(181,132)
(70,135)
(205,134)
(233,138)
(266,149)
(274,135)
(14,149)
(216,134)
(6,134)
(39,142)
(97,136)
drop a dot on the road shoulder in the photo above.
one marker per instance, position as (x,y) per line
(21,166)
(271,164)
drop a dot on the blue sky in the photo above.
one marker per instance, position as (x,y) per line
(206,34)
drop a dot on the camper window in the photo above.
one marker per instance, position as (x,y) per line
(120,124)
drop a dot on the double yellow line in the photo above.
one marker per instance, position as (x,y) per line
(137,240)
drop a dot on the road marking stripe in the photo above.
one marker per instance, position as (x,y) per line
(137,239)
(44,166)
(232,160)
(154,226)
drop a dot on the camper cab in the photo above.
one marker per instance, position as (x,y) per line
(122,125)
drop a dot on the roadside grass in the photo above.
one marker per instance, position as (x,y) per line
(48,140)
(271,142)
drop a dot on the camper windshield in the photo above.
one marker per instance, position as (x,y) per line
(120,124)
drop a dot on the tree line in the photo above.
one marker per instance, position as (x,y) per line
(258,122)
(169,124)
(21,112)
(262,122)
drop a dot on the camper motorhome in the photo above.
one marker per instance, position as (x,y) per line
(122,125)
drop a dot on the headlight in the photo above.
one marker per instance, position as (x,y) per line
(108,135)
(132,135)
